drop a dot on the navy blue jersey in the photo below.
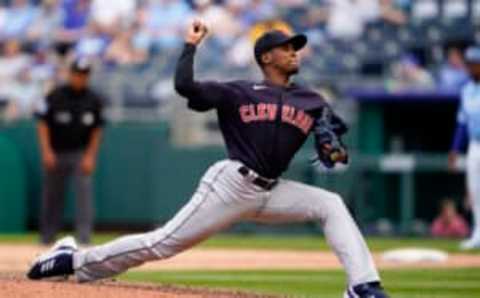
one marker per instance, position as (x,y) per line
(263,125)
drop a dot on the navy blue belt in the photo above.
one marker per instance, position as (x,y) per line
(258,180)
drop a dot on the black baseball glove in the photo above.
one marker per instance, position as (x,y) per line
(328,131)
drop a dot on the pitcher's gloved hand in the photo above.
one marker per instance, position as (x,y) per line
(328,144)
(329,152)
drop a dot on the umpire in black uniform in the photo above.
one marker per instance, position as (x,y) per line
(69,131)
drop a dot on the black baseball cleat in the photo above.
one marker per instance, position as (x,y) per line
(57,262)
(366,290)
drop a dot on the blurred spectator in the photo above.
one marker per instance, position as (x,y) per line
(12,59)
(453,74)
(408,73)
(221,20)
(129,46)
(76,13)
(240,53)
(403,4)
(19,17)
(43,69)
(347,18)
(109,15)
(291,3)
(317,15)
(3,15)
(239,9)
(425,9)
(449,222)
(47,22)
(31,85)
(12,63)
(23,79)
(390,13)
(92,44)
(163,21)
(257,11)
(455,9)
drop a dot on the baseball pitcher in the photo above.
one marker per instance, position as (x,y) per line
(264,124)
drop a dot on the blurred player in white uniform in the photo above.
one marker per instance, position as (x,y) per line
(468,134)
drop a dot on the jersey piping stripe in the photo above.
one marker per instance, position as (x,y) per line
(166,237)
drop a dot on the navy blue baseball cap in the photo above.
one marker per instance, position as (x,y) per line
(275,38)
(472,55)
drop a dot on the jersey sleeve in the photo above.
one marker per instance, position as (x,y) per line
(43,108)
(325,116)
(462,116)
(99,112)
(460,137)
(201,96)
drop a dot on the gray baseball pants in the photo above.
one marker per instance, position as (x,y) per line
(222,198)
(53,198)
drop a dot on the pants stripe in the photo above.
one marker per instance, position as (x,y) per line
(166,237)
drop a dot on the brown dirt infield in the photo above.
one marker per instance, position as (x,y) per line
(16,286)
(14,261)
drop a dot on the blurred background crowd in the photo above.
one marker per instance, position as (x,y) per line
(391,44)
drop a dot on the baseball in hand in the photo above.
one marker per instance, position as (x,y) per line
(196,32)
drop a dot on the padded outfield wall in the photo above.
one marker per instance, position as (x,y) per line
(142,180)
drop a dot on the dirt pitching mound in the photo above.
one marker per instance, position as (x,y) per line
(15,286)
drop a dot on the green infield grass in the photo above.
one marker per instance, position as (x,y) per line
(403,283)
(277,242)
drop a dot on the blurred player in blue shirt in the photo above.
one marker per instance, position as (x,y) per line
(467,134)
